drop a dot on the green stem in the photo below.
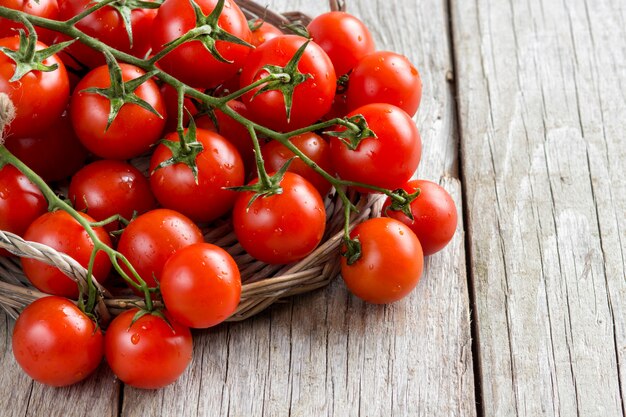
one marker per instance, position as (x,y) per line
(171,46)
(272,77)
(262,174)
(109,220)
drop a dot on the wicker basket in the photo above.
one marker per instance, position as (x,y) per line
(263,284)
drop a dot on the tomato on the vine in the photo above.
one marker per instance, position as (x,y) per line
(391,261)
(62,232)
(201,285)
(263,31)
(149,353)
(55,343)
(41,8)
(170,100)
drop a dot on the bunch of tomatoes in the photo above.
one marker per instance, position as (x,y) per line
(239,120)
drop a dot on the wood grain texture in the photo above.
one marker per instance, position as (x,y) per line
(541,102)
(328,354)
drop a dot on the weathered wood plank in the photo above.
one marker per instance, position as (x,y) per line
(328,353)
(541,104)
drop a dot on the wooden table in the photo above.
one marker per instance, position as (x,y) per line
(523,120)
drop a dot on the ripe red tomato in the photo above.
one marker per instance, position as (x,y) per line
(107,25)
(387,161)
(42,8)
(21,202)
(55,343)
(134,129)
(343,37)
(201,285)
(391,261)
(43,152)
(219,166)
(385,77)
(434,215)
(151,238)
(191,62)
(281,228)
(105,188)
(149,353)
(62,232)
(276,155)
(34,114)
(311,99)
(263,32)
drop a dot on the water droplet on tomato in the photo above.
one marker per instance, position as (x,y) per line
(134,339)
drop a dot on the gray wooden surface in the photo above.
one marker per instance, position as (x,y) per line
(537,89)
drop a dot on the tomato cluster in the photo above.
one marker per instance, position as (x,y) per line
(239,121)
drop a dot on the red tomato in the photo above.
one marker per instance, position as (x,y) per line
(391,261)
(191,62)
(54,154)
(219,166)
(42,8)
(62,232)
(39,97)
(343,37)
(434,215)
(106,188)
(201,285)
(385,77)
(387,161)
(134,129)
(149,353)
(150,239)
(21,202)
(276,155)
(55,343)
(281,228)
(263,32)
(107,25)
(311,99)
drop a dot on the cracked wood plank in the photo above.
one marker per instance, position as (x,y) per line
(541,104)
(328,354)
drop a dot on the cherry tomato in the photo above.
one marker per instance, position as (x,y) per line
(276,155)
(149,353)
(201,285)
(263,31)
(55,343)
(107,25)
(151,238)
(387,161)
(391,261)
(311,99)
(343,37)
(42,8)
(434,215)
(106,188)
(39,97)
(43,152)
(281,228)
(21,202)
(219,166)
(134,129)
(62,232)
(385,77)
(191,62)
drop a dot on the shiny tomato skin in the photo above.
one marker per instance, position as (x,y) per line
(21,202)
(191,62)
(151,238)
(281,228)
(343,37)
(434,215)
(55,343)
(387,161)
(41,8)
(385,77)
(391,263)
(219,166)
(312,145)
(39,97)
(107,187)
(149,353)
(201,285)
(62,232)
(134,129)
(263,32)
(311,99)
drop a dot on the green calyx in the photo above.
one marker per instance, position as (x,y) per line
(352,251)
(125,9)
(356,131)
(185,151)
(269,187)
(121,93)
(401,201)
